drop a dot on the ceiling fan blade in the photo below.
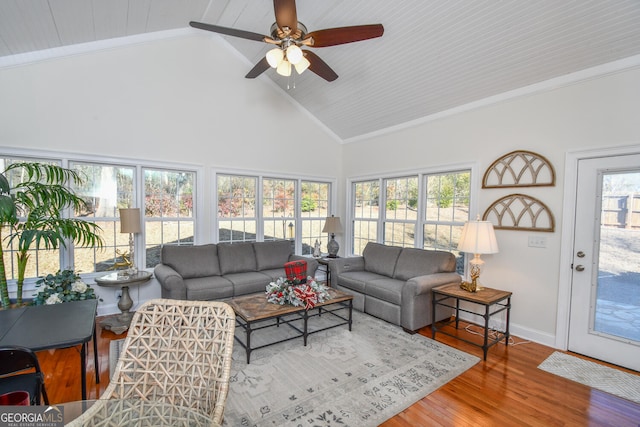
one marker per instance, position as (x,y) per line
(342,35)
(286,15)
(231,31)
(258,69)
(319,67)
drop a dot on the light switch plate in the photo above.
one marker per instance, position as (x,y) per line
(537,242)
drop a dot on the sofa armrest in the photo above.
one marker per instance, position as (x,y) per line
(312,264)
(423,284)
(338,266)
(171,282)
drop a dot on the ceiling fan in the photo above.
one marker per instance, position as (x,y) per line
(288,35)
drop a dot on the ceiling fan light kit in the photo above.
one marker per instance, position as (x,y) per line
(289,35)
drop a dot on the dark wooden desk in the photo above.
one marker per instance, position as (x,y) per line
(44,327)
(487,297)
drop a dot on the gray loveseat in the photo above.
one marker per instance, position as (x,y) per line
(394,283)
(224,270)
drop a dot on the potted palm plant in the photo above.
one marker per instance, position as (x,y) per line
(31,215)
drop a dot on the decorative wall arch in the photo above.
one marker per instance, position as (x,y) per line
(520,212)
(519,168)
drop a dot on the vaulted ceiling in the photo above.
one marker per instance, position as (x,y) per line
(436,56)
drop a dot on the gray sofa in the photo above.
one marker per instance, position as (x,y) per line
(394,283)
(224,270)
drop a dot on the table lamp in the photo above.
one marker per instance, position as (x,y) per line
(478,237)
(130,223)
(332,226)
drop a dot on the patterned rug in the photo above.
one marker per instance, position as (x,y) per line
(592,374)
(358,378)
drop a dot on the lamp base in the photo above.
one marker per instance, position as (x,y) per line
(333,247)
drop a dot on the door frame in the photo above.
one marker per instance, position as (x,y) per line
(567,235)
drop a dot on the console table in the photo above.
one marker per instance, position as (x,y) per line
(488,298)
(121,322)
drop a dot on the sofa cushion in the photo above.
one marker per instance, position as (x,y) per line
(386,289)
(357,280)
(272,254)
(380,259)
(274,273)
(248,282)
(236,257)
(414,262)
(208,288)
(191,261)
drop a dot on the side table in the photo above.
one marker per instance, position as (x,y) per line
(120,323)
(487,297)
(324,264)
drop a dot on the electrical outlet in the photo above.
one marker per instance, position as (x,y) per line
(537,242)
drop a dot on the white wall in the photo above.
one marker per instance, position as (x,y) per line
(183,99)
(601,112)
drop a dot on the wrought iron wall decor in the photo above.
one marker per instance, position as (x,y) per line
(519,168)
(520,212)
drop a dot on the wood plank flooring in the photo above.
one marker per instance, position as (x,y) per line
(506,390)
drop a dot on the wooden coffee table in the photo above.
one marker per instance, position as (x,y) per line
(251,310)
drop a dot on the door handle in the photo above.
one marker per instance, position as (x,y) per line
(579,267)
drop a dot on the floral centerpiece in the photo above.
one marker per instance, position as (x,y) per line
(62,287)
(293,292)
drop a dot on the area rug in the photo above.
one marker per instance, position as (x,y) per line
(357,378)
(603,378)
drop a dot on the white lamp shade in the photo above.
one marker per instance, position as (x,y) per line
(332,225)
(478,237)
(274,57)
(294,54)
(284,68)
(130,220)
(302,65)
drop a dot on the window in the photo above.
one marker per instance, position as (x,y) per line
(168,210)
(446,211)
(314,208)
(165,195)
(278,209)
(237,200)
(105,189)
(40,261)
(401,212)
(365,214)
(426,210)
(292,209)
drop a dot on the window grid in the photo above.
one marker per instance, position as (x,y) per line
(237,201)
(366,214)
(401,218)
(168,210)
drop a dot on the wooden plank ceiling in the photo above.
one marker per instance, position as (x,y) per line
(435,55)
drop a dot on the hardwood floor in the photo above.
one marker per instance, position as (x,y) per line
(506,390)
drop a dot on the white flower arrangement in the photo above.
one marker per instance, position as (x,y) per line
(64,286)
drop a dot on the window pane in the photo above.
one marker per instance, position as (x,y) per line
(169,211)
(278,208)
(237,201)
(363,233)
(314,208)
(42,261)
(367,197)
(399,234)
(447,209)
(106,188)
